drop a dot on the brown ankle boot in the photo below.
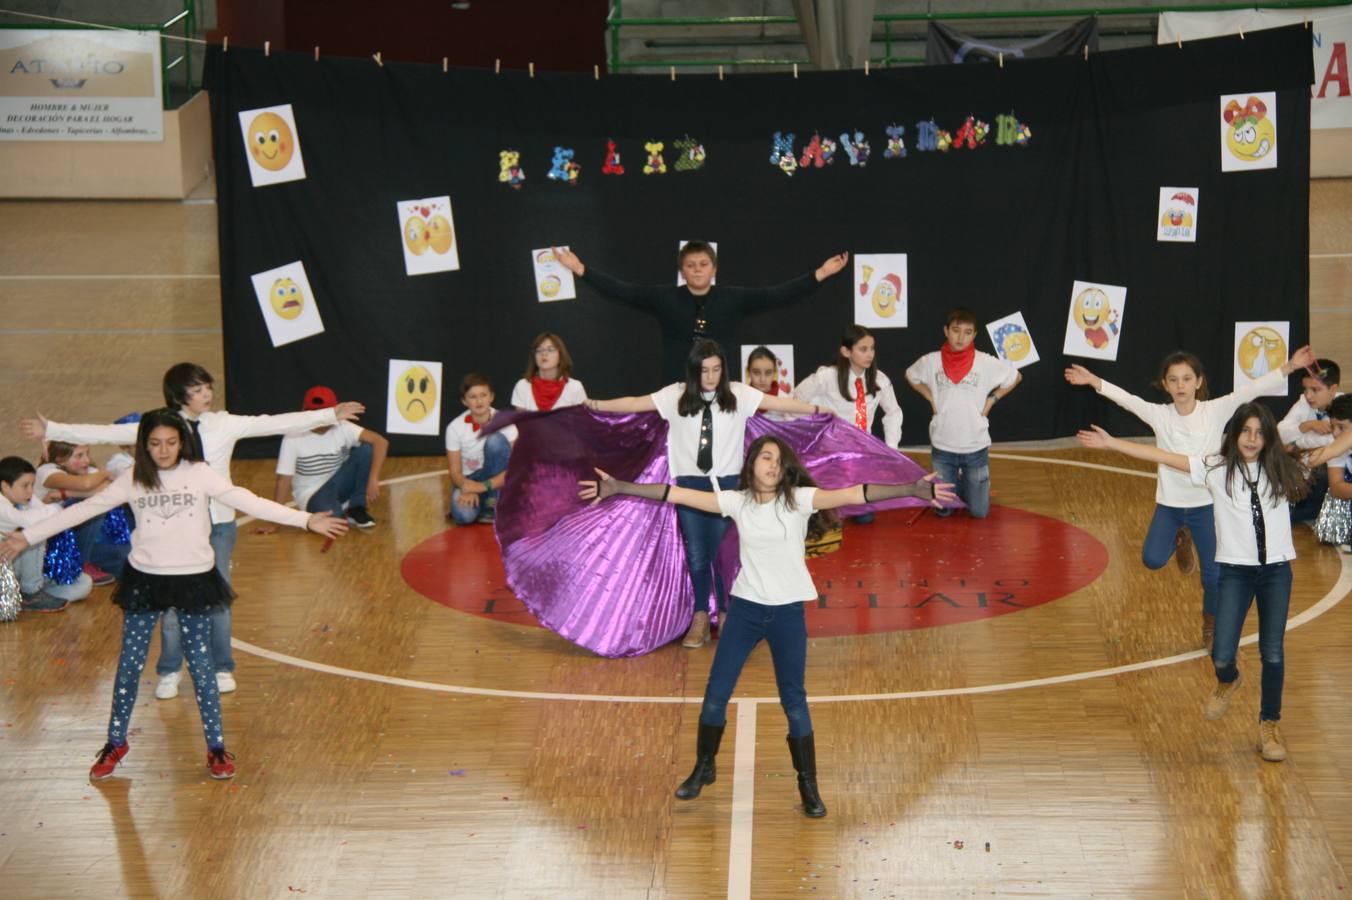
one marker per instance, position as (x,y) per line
(1184,554)
(698,635)
(1270,741)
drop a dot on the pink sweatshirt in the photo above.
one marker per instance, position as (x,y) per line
(173,521)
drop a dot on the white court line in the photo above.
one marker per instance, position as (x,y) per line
(1330,255)
(743,803)
(128,276)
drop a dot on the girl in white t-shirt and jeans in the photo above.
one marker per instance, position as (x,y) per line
(1251,481)
(706,417)
(776,509)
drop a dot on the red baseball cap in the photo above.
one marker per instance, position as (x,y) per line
(320,397)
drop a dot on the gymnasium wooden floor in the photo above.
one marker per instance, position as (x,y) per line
(391,747)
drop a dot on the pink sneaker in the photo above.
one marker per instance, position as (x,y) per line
(99,576)
(221,763)
(107,760)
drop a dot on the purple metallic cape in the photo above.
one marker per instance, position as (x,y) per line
(611,577)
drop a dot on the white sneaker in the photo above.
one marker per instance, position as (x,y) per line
(167,689)
(225,682)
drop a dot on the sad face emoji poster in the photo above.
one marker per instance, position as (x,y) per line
(287,303)
(414,397)
(272,145)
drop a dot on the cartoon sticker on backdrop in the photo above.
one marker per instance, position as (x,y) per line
(680,276)
(856,148)
(552,280)
(612,165)
(781,153)
(287,303)
(1261,347)
(1012,340)
(883,293)
(783,383)
(510,172)
(971,135)
(563,168)
(691,155)
(896,143)
(413,399)
(655,165)
(1010,132)
(1177,214)
(1248,131)
(1094,321)
(272,145)
(427,235)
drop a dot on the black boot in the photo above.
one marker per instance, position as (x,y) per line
(710,736)
(804,752)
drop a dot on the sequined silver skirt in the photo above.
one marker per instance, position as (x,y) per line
(1334,525)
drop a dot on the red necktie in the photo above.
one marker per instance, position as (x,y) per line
(860,405)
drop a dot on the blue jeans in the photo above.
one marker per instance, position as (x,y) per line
(28,569)
(346,486)
(1239,586)
(497,453)
(784,628)
(1307,510)
(1159,545)
(702,533)
(971,475)
(223,536)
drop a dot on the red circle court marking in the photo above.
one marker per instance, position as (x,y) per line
(898,573)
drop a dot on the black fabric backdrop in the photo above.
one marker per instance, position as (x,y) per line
(944,44)
(997,229)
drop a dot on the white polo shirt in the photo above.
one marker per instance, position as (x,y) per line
(729,430)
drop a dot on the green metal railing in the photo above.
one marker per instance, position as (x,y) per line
(186,18)
(616,21)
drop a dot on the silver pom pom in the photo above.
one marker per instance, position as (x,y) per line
(11,598)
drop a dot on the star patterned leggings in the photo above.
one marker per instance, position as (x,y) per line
(137,629)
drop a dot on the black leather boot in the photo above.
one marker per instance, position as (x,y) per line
(804,752)
(710,736)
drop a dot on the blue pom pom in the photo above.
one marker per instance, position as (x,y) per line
(62,563)
(116,529)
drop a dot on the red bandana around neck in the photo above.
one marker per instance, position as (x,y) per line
(957,363)
(546,392)
(469,420)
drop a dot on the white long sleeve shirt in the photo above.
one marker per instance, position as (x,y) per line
(220,432)
(1289,427)
(823,389)
(173,522)
(1197,434)
(15,518)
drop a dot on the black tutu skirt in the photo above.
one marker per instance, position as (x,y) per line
(202,592)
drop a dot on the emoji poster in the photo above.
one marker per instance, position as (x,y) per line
(881,290)
(680,277)
(414,399)
(552,281)
(1177,219)
(1248,131)
(782,371)
(1094,323)
(288,304)
(1261,347)
(1013,342)
(427,233)
(272,144)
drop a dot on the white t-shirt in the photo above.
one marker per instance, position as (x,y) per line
(574,394)
(729,430)
(1197,434)
(1235,540)
(40,490)
(311,459)
(822,388)
(774,570)
(959,426)
(461,435)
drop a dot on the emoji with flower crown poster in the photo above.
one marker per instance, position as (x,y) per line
(1248,131)
(881,290)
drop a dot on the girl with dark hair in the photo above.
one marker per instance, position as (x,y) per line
(1251,482)
(548,382)
(171,566)
(777,507)
(762,370)
(1190,425)
(706,417)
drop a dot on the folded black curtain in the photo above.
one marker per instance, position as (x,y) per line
(946,45)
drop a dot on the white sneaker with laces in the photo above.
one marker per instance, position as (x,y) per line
(225,682)
(167,689)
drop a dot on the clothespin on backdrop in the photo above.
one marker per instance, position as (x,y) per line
(673,73)
(596,72)
(1241,34)
(532,69)
(225,44)
(720,73)
(445,65)
(497,67)
(795,70)
(267,48)
(376,56)
(1086,53)
(1001,58)
(865,67)
(316,54)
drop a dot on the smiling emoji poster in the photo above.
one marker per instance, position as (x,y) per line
(427,234)
(1094,324)
(1248,131)
(413,401)
(1178,211)
(882,290)
(287,303)
(272,145)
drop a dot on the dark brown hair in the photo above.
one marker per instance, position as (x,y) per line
(853,335)
(960,314)
(697,247)
(146,473)
(1183,358)
(691,402)
(60,451)
(565,360)
(474,379)
(792,474)
(1287,477)
(181,377)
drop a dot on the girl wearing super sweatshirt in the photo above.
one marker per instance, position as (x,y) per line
(171,566)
